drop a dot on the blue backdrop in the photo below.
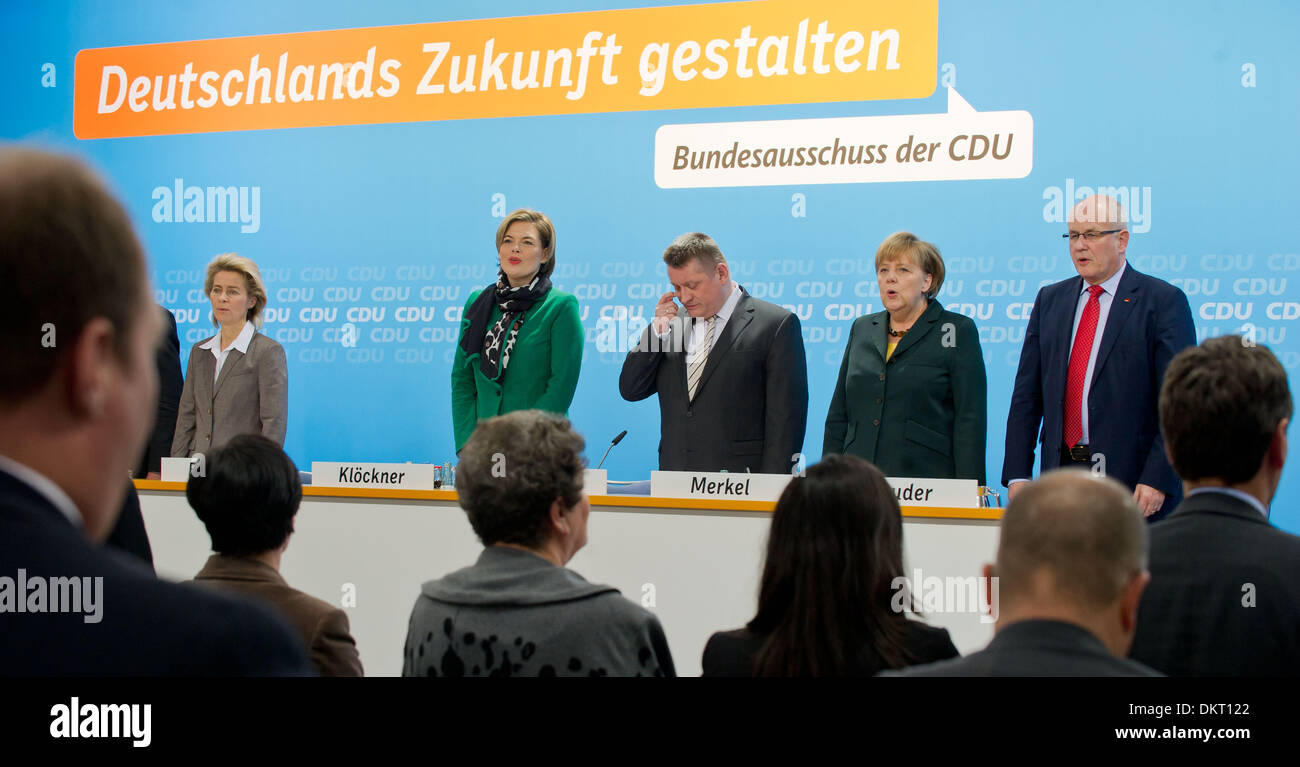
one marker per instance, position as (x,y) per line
(1191,106)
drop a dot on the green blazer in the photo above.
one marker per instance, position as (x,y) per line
(922,414)
(543,370)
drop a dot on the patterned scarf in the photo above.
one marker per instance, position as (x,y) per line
(496,343)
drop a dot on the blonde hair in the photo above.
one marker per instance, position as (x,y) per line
(923,254)
(232,262)
(691,246)
(545,231)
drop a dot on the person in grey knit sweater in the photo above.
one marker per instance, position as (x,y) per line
(518,611)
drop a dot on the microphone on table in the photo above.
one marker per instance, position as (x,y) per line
(617,440)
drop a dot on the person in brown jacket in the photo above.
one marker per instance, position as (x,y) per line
(247,499)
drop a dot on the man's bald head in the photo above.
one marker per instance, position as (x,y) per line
(1100,209)
(1070,540)
(1098,229)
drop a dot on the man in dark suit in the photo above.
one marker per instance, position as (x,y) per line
(1225,585)
(76,402)
(729,370)
(1095,350)
(129,533)
(170,383)
(1070,572)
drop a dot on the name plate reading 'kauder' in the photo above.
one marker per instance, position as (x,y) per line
(388,476)
(922,491)
(718,484)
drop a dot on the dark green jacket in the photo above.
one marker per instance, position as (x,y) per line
(924,413)
(543,370)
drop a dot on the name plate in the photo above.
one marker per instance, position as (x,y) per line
(922,491)
(719,485)
(176,469)
(594,481)
(388,476)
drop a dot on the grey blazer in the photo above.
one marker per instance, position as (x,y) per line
(250,397)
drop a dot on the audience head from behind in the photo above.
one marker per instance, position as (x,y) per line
(78,387)
(1073,548)
(1224,410)
(247,497)
(1225,583)
(78,398)
(1071,569)
(520,483)
(518,611)
(826,603)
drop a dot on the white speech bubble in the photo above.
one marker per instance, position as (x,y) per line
(962,144)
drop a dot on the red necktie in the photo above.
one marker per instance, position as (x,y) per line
(1079,366)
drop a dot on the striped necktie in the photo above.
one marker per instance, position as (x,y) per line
(696,368)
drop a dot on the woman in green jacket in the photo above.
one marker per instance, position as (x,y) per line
(520,340)
(911,396)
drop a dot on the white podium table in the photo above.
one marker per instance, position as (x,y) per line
(694,563)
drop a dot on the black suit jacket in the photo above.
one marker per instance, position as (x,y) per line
(146,627)
(751,406)
(1149,322)
(924,412)
(1036,648)
(129,533)
(170,384)
(1224,597)
(731,653)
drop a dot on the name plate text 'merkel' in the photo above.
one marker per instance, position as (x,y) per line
(955,493)
(719,485)
(389,476)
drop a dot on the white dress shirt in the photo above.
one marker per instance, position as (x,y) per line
(241,343)
(1105,299)
(43,485)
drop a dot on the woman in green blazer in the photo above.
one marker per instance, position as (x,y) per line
(911,395)
(520,340)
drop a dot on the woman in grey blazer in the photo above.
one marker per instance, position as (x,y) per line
(237,382)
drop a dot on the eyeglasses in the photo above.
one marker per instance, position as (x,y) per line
(1089,236)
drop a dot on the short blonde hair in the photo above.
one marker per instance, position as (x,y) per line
(691,246)
(912,248)
(232,262)
(545,230)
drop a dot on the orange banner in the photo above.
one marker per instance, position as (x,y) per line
(718,55)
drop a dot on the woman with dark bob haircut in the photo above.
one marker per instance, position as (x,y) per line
(518,611)
(824,603)
(247,497)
